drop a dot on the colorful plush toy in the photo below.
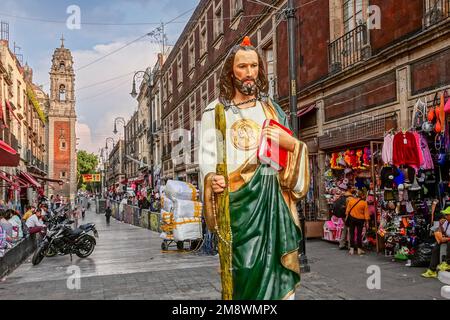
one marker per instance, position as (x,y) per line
(366,157)
(341,160)
(333,161)
(359,159)
(353,160)
(347,158)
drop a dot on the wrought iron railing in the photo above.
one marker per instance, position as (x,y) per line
(349,49)
(435,11)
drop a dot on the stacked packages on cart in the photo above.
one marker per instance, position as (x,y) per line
(181,212)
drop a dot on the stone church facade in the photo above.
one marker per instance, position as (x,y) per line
(62,155)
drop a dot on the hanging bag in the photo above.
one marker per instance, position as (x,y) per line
(348,217)
(447,104)
(437,111)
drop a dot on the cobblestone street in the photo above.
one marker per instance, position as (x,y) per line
(128,264)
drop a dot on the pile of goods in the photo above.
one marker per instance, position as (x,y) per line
(181,212)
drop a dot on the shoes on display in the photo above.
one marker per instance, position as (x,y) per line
(361,251)
(429,274)
(351,251)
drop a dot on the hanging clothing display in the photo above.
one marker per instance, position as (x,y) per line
(427,159)
(388,147)
(405,150)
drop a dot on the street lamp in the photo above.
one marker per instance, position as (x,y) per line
(147,77)
(121,120)
(106,143)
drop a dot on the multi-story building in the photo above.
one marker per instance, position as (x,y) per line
(131,147)
(22,126)
(154,133)
(143,127)
(62,158)
(35,122)
(115,169)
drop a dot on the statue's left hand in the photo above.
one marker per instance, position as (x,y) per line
(282,138)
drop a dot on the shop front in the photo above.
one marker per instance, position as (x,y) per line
(405,172)
(352,161)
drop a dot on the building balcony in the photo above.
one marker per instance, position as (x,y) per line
(8,137)
(435,11)
(348,50)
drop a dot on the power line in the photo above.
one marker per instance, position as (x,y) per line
(151,33)
(85,23)
(104,92)
(104,81)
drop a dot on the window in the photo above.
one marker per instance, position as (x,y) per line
(353,14)
(191,52)
(170,83)
(179,68)
(164,92)
(203,36)
(62,93)
(62,174)
(218,21)
(236,7)
(192,110)
(62,66)
(268,56)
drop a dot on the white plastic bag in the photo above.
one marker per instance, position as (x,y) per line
(187,229)
(180,190)
(187,209)
(167,204)
(445,292)
(444,277)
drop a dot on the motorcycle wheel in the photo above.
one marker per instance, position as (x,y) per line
(51,252)
(85,247)
(38,256)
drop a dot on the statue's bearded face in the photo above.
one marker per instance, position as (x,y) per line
(246,70)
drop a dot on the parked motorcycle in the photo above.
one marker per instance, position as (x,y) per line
(63,240)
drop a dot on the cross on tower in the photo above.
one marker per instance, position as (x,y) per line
(62,41)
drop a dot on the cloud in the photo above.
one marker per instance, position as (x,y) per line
(99,104)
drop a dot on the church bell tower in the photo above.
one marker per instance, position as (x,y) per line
(62,155)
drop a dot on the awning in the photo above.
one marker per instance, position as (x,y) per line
(8,105)
(30,179)
(304,111)
(124,181)
(8,156)
(5,178)
(60,182)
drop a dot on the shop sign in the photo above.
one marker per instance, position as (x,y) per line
(88,178)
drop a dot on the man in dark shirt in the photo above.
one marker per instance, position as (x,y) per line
(339,208)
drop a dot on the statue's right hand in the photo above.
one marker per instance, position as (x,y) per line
(218,183)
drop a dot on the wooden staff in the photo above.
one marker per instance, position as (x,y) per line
(223,209)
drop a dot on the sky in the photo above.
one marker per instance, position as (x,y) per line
(36,28)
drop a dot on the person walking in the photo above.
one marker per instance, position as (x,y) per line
(108,214)
(357,214)
(339,209)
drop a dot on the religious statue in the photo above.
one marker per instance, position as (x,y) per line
(249,205)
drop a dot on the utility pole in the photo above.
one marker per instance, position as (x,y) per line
(290,16)
(291,21)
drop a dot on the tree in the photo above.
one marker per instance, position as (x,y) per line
(87,163)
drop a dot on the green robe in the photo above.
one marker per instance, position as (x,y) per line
(263,231)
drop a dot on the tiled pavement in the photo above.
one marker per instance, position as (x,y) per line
(128,264)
